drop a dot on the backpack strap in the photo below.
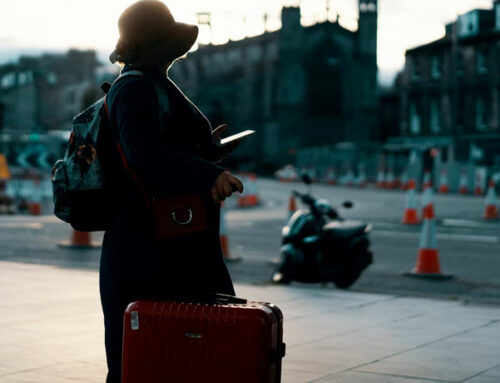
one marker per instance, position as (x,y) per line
(124,161)
(163,107)
(163,102)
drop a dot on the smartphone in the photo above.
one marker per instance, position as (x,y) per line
(237,137)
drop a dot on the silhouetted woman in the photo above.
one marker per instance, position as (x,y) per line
(171,148)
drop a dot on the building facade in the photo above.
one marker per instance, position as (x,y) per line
(39,94)
(297,87)
(38,97)
(449,91)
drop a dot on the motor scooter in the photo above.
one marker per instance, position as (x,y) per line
(320,246)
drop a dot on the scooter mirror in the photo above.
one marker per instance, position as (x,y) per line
(347,204)
(306,179)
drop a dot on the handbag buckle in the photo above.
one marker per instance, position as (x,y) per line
(186,222)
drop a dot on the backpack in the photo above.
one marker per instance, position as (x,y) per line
(83,195)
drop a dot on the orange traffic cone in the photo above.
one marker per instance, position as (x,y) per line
(410,216)
(361,180)
(292,206)
(381,178)
(427,265)
(79,240)
(443,182)
(427,183)
(463,183)
(250,196)
(478,187)
(223,234)
(491,209)
(390,181)
(331,176)
(427,194)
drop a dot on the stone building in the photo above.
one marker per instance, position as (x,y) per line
(297,87)
(450,91)
(39,96)
(43,93)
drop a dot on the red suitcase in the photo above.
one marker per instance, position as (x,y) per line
(221,340)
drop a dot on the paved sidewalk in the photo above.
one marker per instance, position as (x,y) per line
(51,331)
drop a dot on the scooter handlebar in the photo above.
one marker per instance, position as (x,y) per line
(304,197)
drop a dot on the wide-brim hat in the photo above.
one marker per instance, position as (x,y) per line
(149,35)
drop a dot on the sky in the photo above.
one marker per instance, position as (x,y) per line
(36,25)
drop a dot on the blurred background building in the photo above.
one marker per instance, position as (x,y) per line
(448,94)
(310,92)
(298,87)
(38,98)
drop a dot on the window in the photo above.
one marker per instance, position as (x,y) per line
(481,61)
(51,78)
(368,6)
(415,69)
(8,81)
(436,67)
(481,114)
(435,116)
(468,24)
(415,127)
(24,78)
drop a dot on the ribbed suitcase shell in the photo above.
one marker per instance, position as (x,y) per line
(194,342)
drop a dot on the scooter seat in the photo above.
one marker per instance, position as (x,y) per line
(344,229)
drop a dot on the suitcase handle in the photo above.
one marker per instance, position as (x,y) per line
(215,298)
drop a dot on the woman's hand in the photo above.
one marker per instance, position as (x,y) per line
(225,185)
(226,149)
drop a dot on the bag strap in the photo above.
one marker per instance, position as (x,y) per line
(126,166)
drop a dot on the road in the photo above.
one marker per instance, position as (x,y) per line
(469,247)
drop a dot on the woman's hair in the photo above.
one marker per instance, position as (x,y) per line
(126,52)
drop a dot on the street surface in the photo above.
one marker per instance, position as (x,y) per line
(51,329)
(469,247)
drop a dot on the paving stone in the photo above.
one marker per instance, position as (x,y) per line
(356,377)
(51,328)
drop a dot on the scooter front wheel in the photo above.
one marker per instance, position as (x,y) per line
(282,275)
(280,278)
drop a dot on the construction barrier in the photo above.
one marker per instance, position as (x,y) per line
(362,179)
(35,203)
(404,184)
(287,174)
(331,176)
(491,208)
(428,265)
(349,178)
(410,216)
(250,195)
(80,240)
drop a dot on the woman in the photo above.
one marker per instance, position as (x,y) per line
(171,150)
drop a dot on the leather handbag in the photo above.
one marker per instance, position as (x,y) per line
(172,216)
(178,216)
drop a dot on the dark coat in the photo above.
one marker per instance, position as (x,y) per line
(171,155)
